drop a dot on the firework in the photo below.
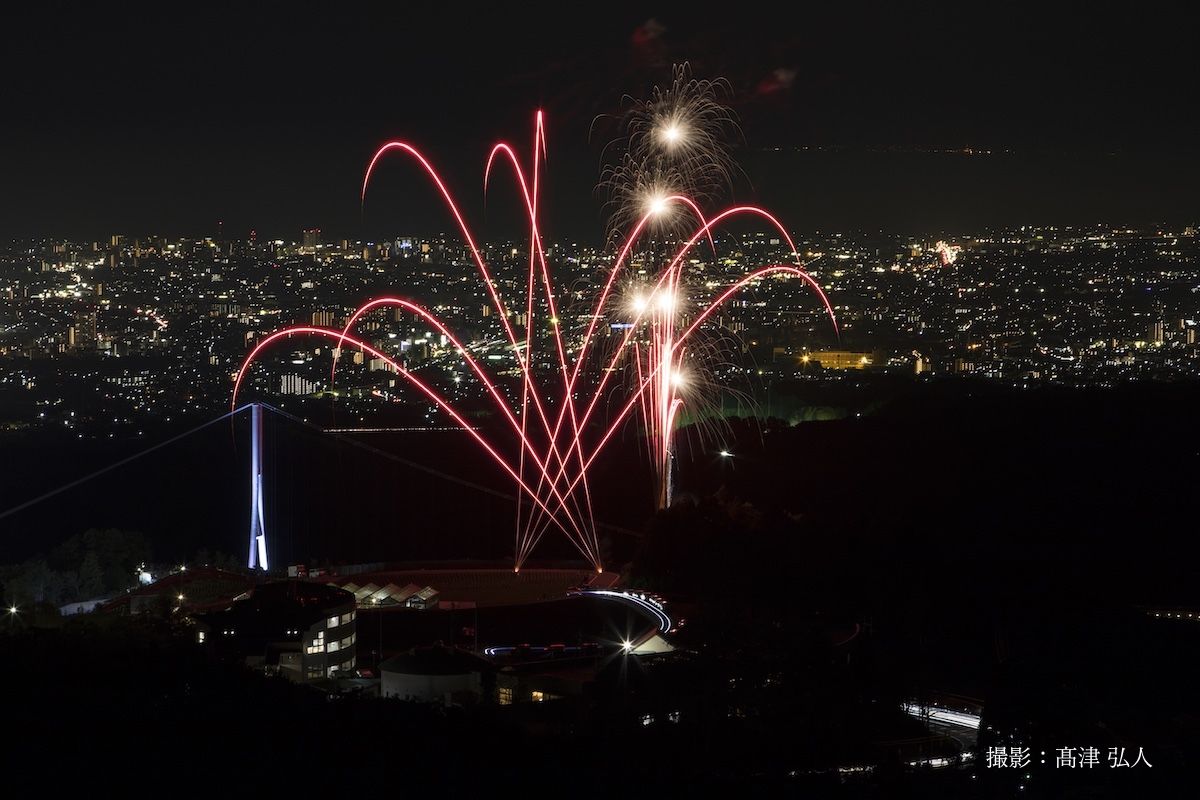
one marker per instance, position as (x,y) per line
(677,142)
(554,451)
(948,253)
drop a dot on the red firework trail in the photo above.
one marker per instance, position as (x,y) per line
(557,452)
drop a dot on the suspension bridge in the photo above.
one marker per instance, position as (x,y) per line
(260,550)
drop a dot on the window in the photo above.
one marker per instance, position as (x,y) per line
(333,622)
(200,636)
(345,643)
(537,697)
(331,647)
(347,617)
(647,719)
(505,696)
(673,716)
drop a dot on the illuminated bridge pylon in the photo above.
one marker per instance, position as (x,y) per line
(258,528)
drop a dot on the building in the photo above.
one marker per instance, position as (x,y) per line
(539,683)
(185,590)
(370,595)
(303,631)
(839,359)
(297,385)
(425,599)
(324,318)
(311,240)
(81,607)
(436,674)
(83,335)
(1156,332)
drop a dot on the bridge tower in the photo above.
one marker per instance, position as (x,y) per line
(258,528)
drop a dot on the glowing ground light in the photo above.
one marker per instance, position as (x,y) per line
(558,440)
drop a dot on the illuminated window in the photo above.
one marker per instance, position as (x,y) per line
(647,719)
(673,716)
(331,647)
(537,697)
(200,637)
(505,696)
(333,622)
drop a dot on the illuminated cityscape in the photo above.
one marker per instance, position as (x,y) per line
(156,329)
(781,406)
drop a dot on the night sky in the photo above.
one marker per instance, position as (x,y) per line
(265,118)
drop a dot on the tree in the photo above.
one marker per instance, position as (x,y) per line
(91,578)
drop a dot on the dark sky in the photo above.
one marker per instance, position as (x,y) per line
(123,121)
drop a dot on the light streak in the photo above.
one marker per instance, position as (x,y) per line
(642,601)
(947,715)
